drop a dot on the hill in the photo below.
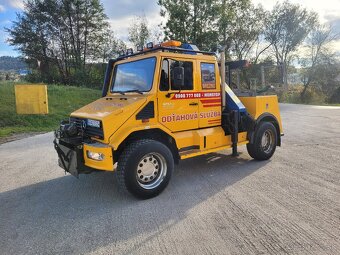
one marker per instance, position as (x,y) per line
(8,63)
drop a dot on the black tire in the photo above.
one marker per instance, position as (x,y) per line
(259,151)
(130,166)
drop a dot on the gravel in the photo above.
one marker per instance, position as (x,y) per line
(214,204)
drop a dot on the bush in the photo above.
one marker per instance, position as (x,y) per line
(314,96)
(293,96)
(335,97)
(34,77)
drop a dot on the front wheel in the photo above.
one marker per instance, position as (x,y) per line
(145,168)
(264,142)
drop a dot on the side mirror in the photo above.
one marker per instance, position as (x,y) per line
(178,78)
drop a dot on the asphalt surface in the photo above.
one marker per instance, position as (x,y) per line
(214,204)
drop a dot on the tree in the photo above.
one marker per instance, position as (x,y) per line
(227,19)
(234,24)
(246,31)
(111,47)
(191,21)
(319,64)
(288,27)
(66,34)
(176,26)
(139,32)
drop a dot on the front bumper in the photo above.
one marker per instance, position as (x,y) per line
(72,156)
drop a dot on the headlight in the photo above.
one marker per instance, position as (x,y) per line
(95,155)
(93,123)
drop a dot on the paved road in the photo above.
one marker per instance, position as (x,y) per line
(214,204)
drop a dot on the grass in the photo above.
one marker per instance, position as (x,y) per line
(65,99)
(62,101)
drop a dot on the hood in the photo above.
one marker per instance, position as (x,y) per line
(112,111)
(106,106)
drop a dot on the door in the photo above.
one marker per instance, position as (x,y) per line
(177,104)
(210,102)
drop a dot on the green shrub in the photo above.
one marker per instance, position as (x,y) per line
(293,96)
(335,97)
(314,96)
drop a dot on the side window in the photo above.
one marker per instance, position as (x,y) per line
(208,76)
(167,75)
(188,74)
(164,82)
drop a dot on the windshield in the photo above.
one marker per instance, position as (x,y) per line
(134,76)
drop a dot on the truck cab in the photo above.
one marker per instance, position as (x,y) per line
(160,105)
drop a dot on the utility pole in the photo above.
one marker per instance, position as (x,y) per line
(238,78)
(263,80)
(284,74)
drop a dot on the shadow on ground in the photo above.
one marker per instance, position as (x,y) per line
(69,214)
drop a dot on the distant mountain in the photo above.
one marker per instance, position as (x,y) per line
(8,63)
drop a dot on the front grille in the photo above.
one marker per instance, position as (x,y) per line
(89,131)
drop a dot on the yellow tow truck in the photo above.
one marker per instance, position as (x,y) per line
(164,103)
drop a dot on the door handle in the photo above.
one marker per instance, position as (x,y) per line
(193,103)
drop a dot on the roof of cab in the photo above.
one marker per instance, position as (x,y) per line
(170,51)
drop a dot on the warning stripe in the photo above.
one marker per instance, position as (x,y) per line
(215,120)
(211,105)
(205,101)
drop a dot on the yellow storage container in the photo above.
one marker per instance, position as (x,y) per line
(31,99)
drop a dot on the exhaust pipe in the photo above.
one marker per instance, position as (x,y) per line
(223,77)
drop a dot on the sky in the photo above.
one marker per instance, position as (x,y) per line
(122,12)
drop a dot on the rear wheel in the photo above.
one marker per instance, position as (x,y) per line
(264,142)
(145,168)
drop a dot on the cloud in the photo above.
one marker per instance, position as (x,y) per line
(322,8)
(121,15)
(2,8)
(334,22)
(123,8)
(335,25)
(121,26)
(16,4)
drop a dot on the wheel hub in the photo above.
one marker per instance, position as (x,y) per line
(267,141)
(151,170)
(147,169)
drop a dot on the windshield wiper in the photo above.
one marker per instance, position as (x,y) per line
(134,90)
(127,91)
(120,92)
